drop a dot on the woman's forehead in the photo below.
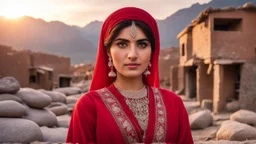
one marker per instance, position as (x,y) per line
(130,33)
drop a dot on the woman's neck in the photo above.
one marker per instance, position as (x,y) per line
(127,83)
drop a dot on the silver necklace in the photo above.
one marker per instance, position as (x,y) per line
(133,94)
(137,100)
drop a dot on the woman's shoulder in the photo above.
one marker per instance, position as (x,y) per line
(90,95)
(88,101)
(93,94)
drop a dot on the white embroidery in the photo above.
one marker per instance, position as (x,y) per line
(125,125)
(161,122)
(122,120)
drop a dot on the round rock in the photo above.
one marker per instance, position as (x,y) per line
(235,131)
(233,106)
(34,98)
(42,117)
(201,119)
(56,135)
(16,130)
(69,90)
(71,106)
(10,97)
(244,116)
(63,120)
(11,108)
(58,108)
(56,96)
(9,85)
(72,99)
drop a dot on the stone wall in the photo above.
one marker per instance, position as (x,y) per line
(247,96)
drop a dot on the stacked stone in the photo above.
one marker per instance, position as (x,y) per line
(73,94)
(59,107)
(13,127)
(28,115)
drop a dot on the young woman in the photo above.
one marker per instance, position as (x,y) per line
(125,103)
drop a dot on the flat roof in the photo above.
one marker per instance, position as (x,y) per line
(204,15)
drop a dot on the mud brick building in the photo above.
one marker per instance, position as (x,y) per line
(35,70)
(82,72)
(217,57)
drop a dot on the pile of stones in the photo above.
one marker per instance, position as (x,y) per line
(233,126)
(28,115)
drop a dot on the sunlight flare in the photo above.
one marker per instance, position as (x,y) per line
(14,10)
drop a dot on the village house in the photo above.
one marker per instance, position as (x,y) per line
(217,57)
(82,72)
(35,70)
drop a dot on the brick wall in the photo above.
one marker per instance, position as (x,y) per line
(60,65)
(18,63)
(234,44)
(15,64)
(204,83)
(201,40)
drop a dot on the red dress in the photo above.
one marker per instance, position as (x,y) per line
(102,116)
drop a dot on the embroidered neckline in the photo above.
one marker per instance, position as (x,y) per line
(126,127)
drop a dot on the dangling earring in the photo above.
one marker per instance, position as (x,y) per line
(147,72)
(110,64)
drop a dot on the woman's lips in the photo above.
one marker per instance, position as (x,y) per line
(132,66)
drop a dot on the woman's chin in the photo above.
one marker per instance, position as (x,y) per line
(132,75)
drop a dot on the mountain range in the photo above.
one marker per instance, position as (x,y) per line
(80,43)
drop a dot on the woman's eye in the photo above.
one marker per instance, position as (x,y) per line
(142,45)
(121,44)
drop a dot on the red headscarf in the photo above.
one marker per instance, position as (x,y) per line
(100,77)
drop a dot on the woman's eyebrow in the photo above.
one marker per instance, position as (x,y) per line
(125,40)
(121,39)
(144,39)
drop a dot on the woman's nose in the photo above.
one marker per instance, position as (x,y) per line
(132,53)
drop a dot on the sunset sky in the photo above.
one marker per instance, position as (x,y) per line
(81,12)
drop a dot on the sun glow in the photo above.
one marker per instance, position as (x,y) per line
(14,10)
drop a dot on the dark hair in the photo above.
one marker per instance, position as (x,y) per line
(116,30)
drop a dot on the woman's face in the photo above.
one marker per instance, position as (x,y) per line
(130,54)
